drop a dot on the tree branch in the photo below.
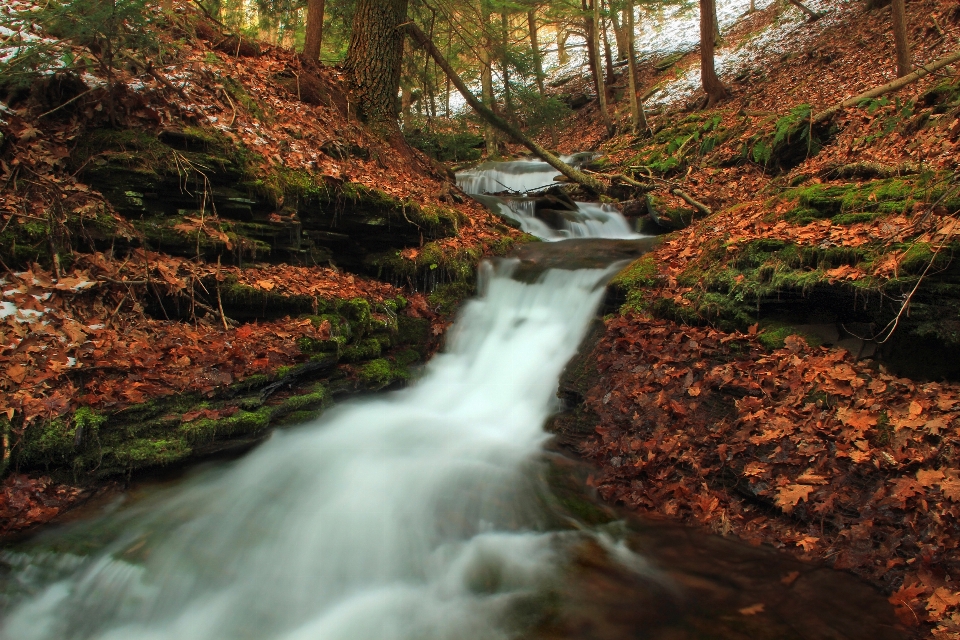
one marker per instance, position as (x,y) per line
(575,175)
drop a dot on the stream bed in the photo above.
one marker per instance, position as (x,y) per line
(437,512)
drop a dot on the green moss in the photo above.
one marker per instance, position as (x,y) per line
(447,298)
(381,372)
(413,331)
(314,399)
(634,279)
(853,203)
(240,95)
(363,350)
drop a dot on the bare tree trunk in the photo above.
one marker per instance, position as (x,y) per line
(717,36)
(619,34)
(601,89)
(607,53)
(313,37)
(535,49)
(486,84)
(562,56)
(573,174)
(904,62)
(593,57)
(505,64)
(890,87)
(374,60)
(638,117)
(714,89)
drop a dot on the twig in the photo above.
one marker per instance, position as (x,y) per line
(233,106)
(156,76)
(73,99)
(223,316)
(893,324)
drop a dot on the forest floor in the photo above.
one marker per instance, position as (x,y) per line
(785,369)
(225,249)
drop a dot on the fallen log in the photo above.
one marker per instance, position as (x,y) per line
(686,197)
(890,87)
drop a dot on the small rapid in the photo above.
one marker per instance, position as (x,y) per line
(505,188)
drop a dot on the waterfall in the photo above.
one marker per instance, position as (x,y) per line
(590,220)
(410,515)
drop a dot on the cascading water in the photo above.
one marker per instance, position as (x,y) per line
(521,177)
(422,514)
(406,516)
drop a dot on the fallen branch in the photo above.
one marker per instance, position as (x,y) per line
(487,114)
(890,87)
(813,15)
(622,178)
(686,197)
(156,76)
(73,99)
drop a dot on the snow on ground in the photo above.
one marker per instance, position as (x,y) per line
(789,32)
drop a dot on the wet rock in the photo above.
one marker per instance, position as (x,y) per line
(591,253)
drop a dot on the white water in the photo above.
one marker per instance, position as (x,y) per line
(406,516)
(527,176)
(519,177)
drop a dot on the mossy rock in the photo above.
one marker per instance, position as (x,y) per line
(861,202)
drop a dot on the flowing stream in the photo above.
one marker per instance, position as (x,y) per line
(430,513)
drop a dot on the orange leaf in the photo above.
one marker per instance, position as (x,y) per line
(789,496)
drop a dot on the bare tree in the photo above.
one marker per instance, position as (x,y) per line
(899,15)
(601,89)
(638,117)
(535,49)
(715,90)
(313,37)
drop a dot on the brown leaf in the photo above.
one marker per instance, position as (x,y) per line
(789,496)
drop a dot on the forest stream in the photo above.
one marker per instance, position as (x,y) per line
(436,512)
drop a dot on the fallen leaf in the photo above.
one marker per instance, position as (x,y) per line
(789,496)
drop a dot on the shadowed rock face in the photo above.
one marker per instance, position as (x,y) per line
(590,253)
(158,182)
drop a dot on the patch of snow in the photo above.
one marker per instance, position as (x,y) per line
(788,33)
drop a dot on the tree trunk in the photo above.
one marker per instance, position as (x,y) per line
(714,89)
(505,64)
(486,84)
(535,49)
(374,60)
(639,119)
(607,53)
(592,56)
(562,56)
(717,36)
(601,89)
(904,63)
(811,14)
(573,174)
(313,37)
(890,87)
(619,34)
